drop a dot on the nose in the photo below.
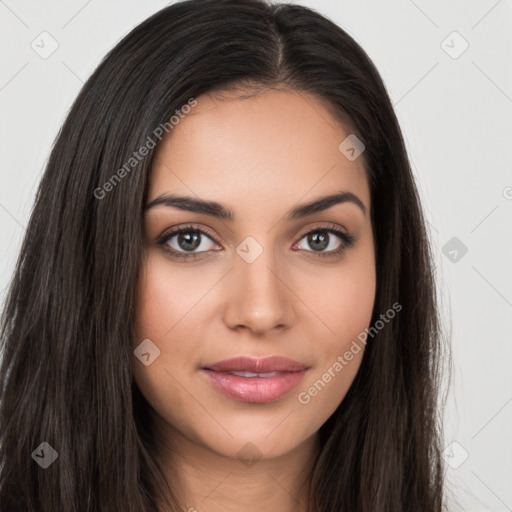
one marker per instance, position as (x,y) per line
(258,297)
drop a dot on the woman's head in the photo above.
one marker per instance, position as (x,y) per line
(262,108)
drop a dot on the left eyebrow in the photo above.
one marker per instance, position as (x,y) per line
(215,209)
(324,203)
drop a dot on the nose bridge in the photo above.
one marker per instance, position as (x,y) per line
(258,297)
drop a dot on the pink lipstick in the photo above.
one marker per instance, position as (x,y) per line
(255,380)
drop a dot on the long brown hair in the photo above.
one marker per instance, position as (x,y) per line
(67,327)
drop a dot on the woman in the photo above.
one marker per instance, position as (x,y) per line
(224,299)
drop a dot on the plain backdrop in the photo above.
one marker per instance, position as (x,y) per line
(447,67)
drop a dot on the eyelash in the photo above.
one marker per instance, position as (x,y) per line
(347,239)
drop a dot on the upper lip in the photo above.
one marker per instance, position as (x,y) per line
(249,364)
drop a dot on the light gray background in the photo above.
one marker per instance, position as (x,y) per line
(456,117)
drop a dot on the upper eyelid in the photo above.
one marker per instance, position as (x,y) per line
(175,231)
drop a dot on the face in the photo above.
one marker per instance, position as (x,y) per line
(261,283)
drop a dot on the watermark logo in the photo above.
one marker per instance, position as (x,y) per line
(147,352)
(351,147)
(45,45)
(249,249)
(45,455)
(454,249)
(249,454)
(454,45)
(455,455)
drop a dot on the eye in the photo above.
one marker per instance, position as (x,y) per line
(323,241)
(187,242)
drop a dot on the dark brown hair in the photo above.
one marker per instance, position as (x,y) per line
(67,327)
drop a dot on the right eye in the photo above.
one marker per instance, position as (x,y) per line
(186,242)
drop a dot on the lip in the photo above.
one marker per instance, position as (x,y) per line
(251,364)
(285,375)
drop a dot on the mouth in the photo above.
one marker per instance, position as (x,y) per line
(252,380)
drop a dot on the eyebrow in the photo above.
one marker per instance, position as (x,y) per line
(218,210)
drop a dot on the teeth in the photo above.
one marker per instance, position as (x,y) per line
(252,374)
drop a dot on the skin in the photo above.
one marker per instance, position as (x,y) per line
(260,157)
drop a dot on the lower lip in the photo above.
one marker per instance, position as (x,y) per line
(254,389)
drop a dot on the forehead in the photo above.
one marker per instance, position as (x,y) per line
(270,148)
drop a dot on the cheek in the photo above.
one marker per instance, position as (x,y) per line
(344,303)
(351,304)
(165,298)
(160,305)
(343,299)
(156,297)
(339,357)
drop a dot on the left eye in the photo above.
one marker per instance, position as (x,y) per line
(323,240)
